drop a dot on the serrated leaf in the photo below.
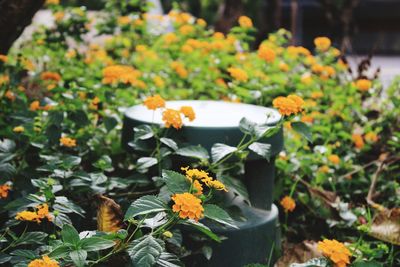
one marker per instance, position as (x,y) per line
(25,253)
(261,149)
(302,129)
(196,152)
(109,215)
(169,142)
(219,151)
(145,252)
(175,182)
(31,238)
(168,260)
(216,213)
(145,205)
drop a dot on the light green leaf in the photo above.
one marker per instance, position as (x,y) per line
(202,228)
(69,234)
(197,152)
(143,132)
(144,163)
(78,257)
(95,243)
(145,205)
(169,142)
(264,150)
(219,151)
(247,126)
(316,262)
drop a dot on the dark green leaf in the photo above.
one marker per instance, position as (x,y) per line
(95,243)
(176,182)
(216,213)
(145,205)
(60,251)
(78,257)
(144,252)
(4,258)
(366,264)
(169,142)
(316,262)
(168,260)
(144,163)
(31,238)
(69,234)
(302,129)
(236,186)
(202,228)
(143,132)
(25,253)
(110,123)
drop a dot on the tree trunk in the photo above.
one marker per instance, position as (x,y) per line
(228,14)
(15,15)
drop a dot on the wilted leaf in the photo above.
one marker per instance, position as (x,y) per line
(386,226)
(109,215)
(298,253)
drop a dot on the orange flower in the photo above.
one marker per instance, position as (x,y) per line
(266,53)
(198,188)
(322,43)
(217,185)
(18,129)
(44,262)
(188,206)
(179,68)
(358,140)
(201,22)
(363,84)
(154,102)
(245,22)
(47,75)
(371,137)
(3,58)
(336,251)
(186,29)
(307,118)
(287,106)
(324,169)
(41,212)
(67,142)
(35,105)
(188,112)
(283,67)
(172,117)
(238,74)
(120,73)
(288,204)
(10,95)
(4,188)
(334,159)
(317,94)
(158,81)
(170,38)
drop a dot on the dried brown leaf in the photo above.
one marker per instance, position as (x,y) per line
(386,226)
(109,215)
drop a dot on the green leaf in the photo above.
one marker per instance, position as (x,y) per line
(207,252)
(302,129)
(70,235)
(7,171)
(168,260)
(60,251)
(144,163)
(216,213)
(143,132)
(169,143)
(110,123)
(316,262)
(95,243)
(236,186)
(69,161)
(78,257)
(264,150)
(4,258)
(197,152)
(176,182)
(366,264)
(7,145)
(145,252)
(24,253)
(104,163)
(145,205)
(31,238)
(219,151)
(202,228)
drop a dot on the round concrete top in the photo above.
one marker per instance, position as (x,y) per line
(214,114)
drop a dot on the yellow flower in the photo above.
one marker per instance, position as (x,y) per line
(179,68)
(44,262)
(324,169)
(188,206)
(3,58)
(363,84)
(10,95)
(67,142)
(58,16)
(284,67)
(41,212)
(307,118)
(317,68)
(158,81)
(198,188)
(188,112)
(52,2)
(317,94)
(154,102)
(47,75)
(172,117)
(334,159)
(196,174)
(123,20)
(217,185)
(218,35)
(4,79)
(288,204)
(18,129)
(4,188)
(287,106)
(322,43)
(336,251)
(306,79)
(266,53)
(70,54)
(245,22)
(358,140)
(371,137)
(170,38)
(201,22)
(238,74)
